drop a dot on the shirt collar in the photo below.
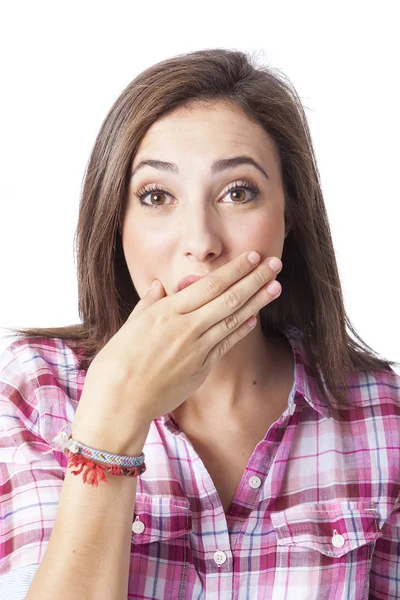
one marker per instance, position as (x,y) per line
(304,382)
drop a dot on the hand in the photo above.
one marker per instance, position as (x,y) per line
(168,346)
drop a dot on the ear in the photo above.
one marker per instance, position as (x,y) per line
(288,228)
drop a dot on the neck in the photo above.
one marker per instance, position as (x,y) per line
(242,380)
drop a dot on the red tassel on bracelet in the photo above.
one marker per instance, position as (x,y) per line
(93,472)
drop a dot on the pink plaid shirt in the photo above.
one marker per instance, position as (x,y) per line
(316,514)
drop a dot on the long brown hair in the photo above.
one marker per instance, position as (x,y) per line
(311,297)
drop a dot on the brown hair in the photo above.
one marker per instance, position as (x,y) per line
(311,297)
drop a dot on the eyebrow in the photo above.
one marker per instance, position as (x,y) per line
(217,167)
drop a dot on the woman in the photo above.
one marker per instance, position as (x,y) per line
(272,451)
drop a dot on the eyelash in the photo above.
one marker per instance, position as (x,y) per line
(237,185)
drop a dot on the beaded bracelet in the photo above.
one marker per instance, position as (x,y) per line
(96,462)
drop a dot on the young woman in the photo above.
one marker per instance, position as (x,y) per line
(272,444)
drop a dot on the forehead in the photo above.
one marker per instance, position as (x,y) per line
(207,129)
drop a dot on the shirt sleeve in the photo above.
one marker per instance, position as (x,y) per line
(15,584)
(384,581)
(30,481)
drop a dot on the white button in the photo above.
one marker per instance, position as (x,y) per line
(138,526)
(219,557)
(337,540)
(254,482)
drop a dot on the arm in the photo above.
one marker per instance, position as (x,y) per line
(89,549)
(59,538)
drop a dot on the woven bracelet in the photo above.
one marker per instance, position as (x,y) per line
(104,458)
(96,462)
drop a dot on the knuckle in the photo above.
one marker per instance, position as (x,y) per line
(163,318)
(233,298)
(243,267)
(186,330)
(232,321)
(260,302)
(212,284)
(224,346)
(262,275)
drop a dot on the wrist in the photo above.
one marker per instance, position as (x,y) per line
(106,441)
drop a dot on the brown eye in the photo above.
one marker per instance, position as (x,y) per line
(236,191)
(156,197)
(239,195)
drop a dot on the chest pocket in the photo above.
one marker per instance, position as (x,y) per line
(159,547)
(325,548)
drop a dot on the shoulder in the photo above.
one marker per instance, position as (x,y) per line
(372,422)
(373,408)
(39,388)
(40,385)
(32,355)
(369,389)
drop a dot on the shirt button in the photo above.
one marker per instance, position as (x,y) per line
(219,557)
(254,482)
(337,540)
(138,526)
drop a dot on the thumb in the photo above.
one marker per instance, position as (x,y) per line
(154,289)
(154,293)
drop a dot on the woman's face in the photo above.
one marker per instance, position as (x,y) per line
(199,221)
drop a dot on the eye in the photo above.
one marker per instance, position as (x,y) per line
(156,192)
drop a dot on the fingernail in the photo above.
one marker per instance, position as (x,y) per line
(273,288)
(275,263)
(153,285)
(253,257)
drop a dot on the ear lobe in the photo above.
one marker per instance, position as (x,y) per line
(288,229)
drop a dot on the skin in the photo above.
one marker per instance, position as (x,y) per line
(198,228)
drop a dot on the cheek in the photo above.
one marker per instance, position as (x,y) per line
(268,232)
(144,254)
(263,234)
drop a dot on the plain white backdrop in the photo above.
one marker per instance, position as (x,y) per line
(63,65)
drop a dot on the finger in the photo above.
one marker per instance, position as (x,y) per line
(154,293)
(211,286)
(219,348)
(224,307)
(222,336)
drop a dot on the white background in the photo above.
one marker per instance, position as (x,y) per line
(63,65)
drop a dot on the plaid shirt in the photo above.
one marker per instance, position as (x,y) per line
(316,514)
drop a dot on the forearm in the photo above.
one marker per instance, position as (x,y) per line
(89,549)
